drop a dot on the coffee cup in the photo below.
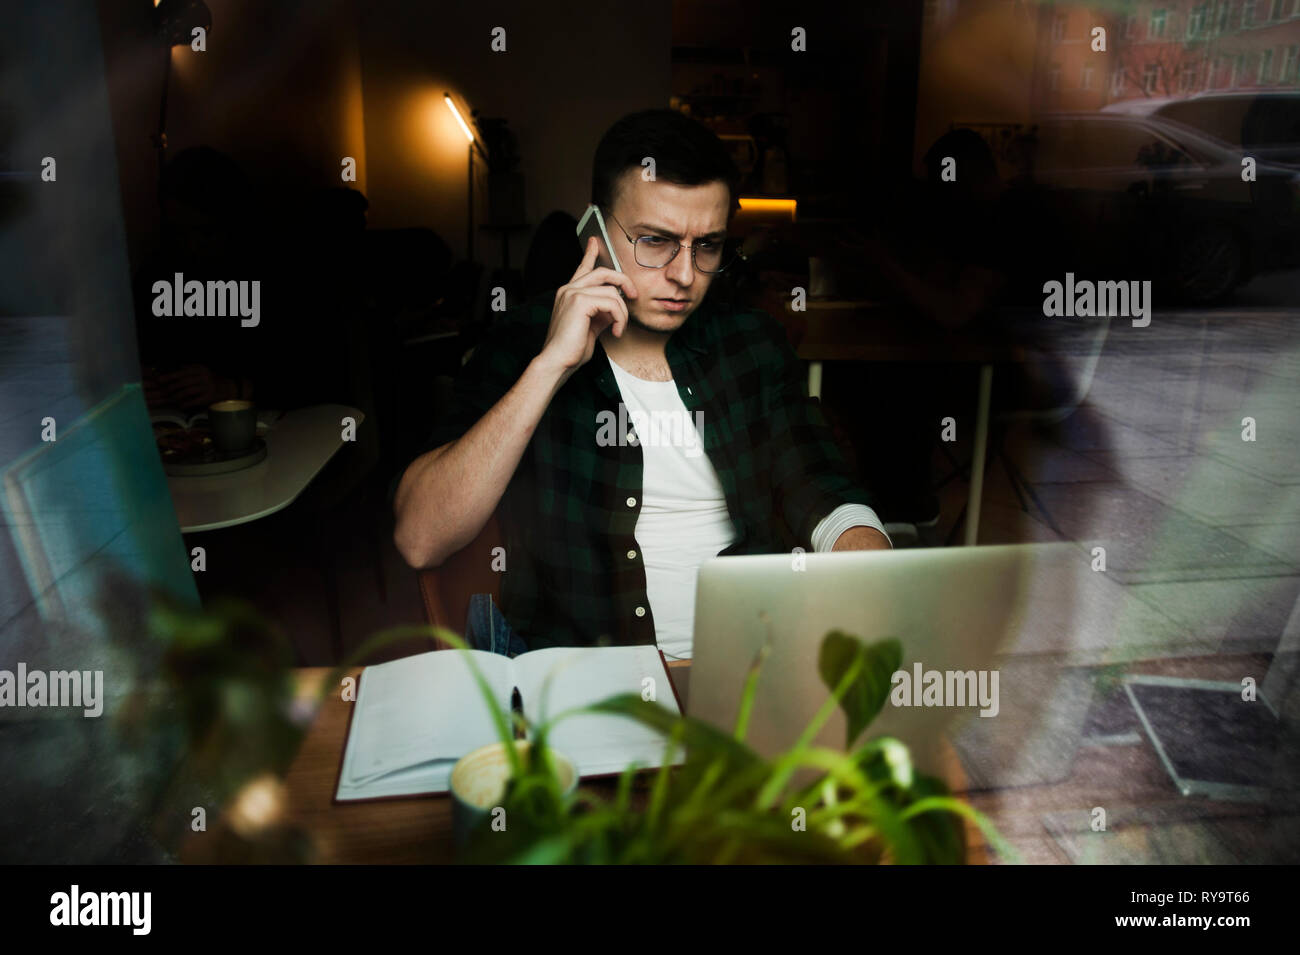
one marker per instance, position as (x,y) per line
(234,425)
(478,785)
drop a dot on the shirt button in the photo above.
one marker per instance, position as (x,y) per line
(640,611)
(631,502)
(631,555)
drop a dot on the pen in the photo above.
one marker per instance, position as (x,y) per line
(517,713)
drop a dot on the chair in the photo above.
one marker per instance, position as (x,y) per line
(1081,386)
(446,590)
(553,254)
(1051,416)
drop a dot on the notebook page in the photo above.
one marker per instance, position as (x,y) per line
(596,742)
(422,708)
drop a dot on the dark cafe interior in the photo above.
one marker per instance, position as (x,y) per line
(874,421)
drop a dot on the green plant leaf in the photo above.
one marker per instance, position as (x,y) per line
(867,693)
(956,806)
(887,760)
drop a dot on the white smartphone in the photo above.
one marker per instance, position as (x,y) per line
(593,223)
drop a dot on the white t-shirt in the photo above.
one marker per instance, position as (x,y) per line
(684,519)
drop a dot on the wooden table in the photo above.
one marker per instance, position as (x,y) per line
(872,331)
(298,446)
(416,830)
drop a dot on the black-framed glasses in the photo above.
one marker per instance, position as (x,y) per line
(656,251)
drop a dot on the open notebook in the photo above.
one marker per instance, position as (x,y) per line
(415,717)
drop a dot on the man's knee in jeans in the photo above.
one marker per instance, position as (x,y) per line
(487,629)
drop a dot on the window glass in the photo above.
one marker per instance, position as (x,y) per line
(1220,118)
(1272,121)
(1112,145)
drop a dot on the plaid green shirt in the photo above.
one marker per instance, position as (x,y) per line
(570,510)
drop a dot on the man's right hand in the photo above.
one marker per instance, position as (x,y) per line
(584,308)
(446,496)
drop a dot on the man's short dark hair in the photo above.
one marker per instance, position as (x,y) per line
(685,151)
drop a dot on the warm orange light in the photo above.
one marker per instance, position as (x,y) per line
(769,206)
(258,806)
(455,112)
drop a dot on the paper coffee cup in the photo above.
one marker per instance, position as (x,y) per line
(478,785)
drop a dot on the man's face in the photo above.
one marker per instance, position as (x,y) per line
(685,214)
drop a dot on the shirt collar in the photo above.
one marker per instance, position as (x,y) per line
(689,342)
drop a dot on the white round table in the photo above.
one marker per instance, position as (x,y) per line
(298,445)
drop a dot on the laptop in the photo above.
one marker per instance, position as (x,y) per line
(953,610)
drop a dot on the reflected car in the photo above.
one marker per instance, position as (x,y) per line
(1169,200)
(1263,123)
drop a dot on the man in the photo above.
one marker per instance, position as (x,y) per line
(606,524)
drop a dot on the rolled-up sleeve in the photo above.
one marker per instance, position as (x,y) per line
(843,518)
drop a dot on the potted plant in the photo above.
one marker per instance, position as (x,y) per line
(728,804)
